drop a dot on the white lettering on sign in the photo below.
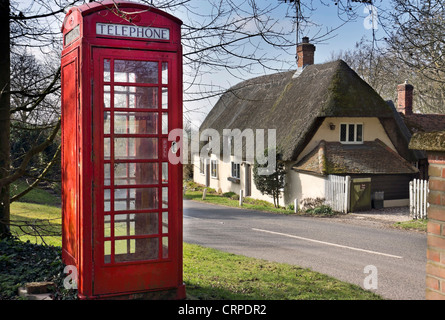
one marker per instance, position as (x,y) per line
(121,30)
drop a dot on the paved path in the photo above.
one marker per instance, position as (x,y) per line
(342,248)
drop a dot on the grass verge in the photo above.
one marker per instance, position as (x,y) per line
(194,191)
(248,203)
(210,274)
(419,225)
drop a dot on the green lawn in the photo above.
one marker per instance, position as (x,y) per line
(28,220)
(36,195)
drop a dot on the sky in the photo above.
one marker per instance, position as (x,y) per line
(325,17)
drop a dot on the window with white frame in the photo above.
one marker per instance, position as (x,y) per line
(235,170)
(214,168)
(351,133)
(202,166)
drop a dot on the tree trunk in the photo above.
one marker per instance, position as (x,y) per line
(4,115)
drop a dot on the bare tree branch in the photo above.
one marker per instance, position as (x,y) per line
(35,150)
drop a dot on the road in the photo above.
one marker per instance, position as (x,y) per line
(391,260)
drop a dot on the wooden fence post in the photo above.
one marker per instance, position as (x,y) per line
(347,193)
(418,199)
(425,202)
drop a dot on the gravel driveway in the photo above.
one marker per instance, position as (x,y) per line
(395,214)
(379,218)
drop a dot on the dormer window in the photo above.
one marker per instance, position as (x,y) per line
(351,133)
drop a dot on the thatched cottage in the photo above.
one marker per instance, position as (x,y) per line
(328,121)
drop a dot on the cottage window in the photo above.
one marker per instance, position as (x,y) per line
(235,170)
(351,133)
(214,168)
(201,166)
(229,145)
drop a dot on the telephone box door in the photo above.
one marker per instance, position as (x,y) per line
(137,243)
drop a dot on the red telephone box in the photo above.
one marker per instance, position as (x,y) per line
(122,200)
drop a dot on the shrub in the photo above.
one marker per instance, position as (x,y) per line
(211,190)
(270,184)
(258,202)
(321,210)
(231,195)
(193,186)
(228,194)
(311,203)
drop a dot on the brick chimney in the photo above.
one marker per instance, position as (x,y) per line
(405,98)
(305,53)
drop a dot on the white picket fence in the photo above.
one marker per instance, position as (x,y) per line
(337,193)
(418,198)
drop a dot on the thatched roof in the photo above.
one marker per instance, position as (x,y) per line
(294,106)
(424,122)
(371,157)
(429,141)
